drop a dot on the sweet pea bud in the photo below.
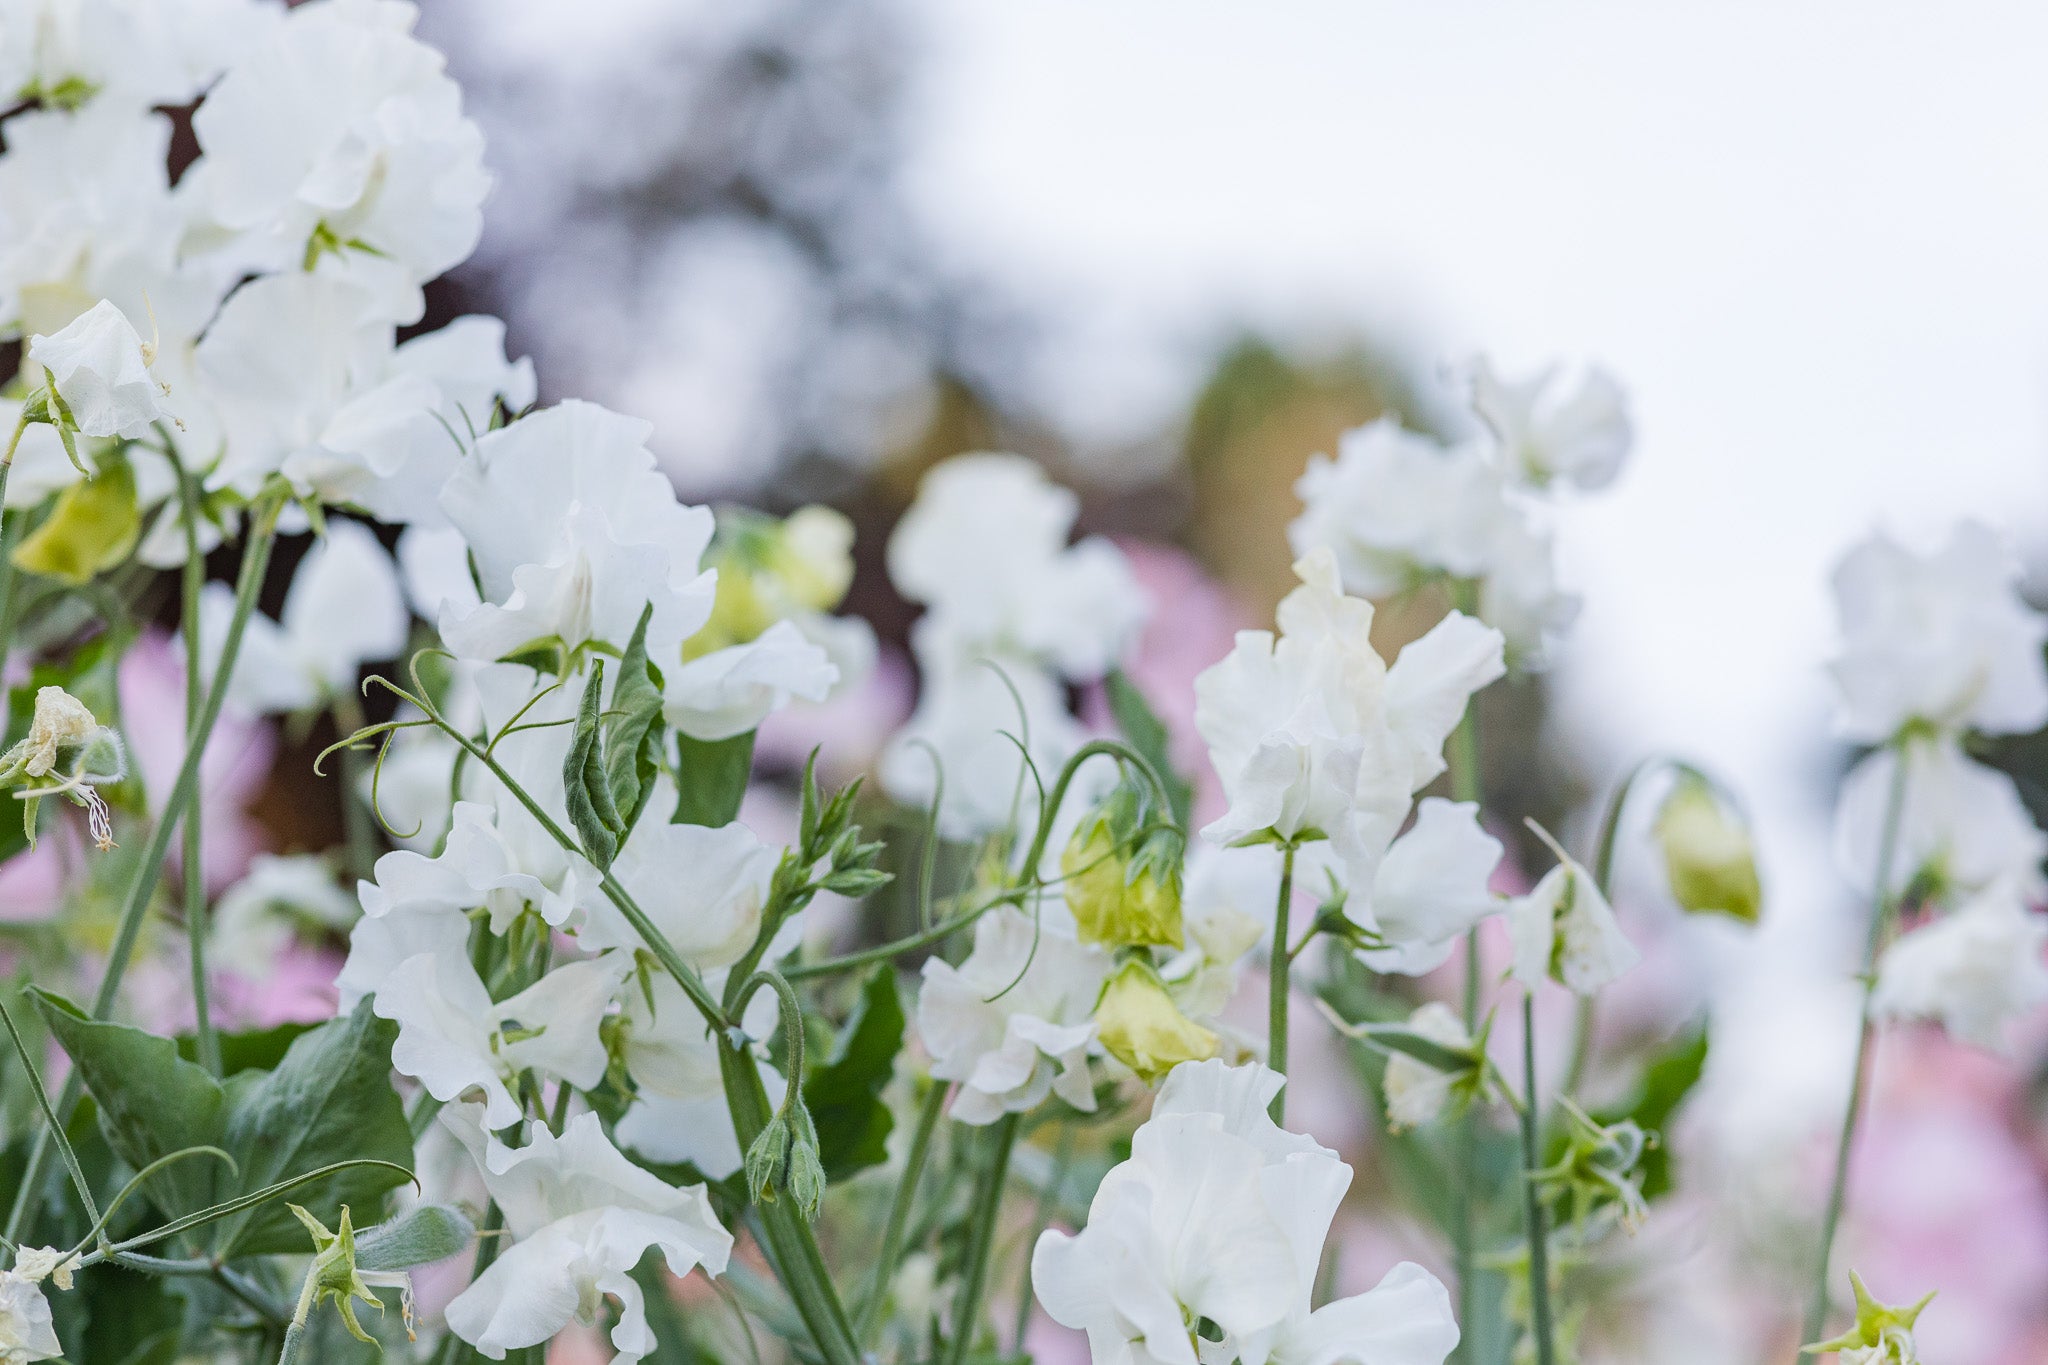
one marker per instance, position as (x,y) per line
(1598,1167)
(783,1158)
(813,558)
(1882,1334)
(1708,855)
(1141,1026)
(1123,884)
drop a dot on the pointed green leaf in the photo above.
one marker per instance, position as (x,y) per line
(844,1095)
(711,778)
(633,730)
(152,1102)
(583,778)
(329,1100)
(1148,735)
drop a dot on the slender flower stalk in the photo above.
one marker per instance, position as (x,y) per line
(192,580)
(184,793)
(928,1116)
(1277,987)
(1535,1223)
(1883,907)
(988,1207)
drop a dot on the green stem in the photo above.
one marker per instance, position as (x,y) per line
(1535,1224)
(791,1246)
(1882,907)
(988,1206)
(1603,877)
(1466,785)
(899,1210)
(7,550)
(359,838)
(255,562)
(193,579)
(1278,991)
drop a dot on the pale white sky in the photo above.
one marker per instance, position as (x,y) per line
(1812,244)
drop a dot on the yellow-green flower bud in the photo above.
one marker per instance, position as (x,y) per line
(1123,882)
(1708,855)
(771,570)
(1141,1026)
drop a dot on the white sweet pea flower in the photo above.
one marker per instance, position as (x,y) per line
(1521,597)
(340,135)
(1312,731)
(582,1216)
(1416,1091)
(343,610)
(985,548)
(1976,970)
(26,1332)
(574,532)
(454,1039)
(1013,1022)
(1429,890)
(1220,1214)
(732,690)
(1939,639)
(1962,825)
(301,369)
(123,54)
(680,1113)
(704,888)
(99,366)
(1397,508)
(262,914)
(1550,430)
(1565,931)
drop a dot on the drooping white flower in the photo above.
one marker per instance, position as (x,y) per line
(1939,639)
(343,610)
(1220,1214)
(1012,1023)
(1550,430)
(340,136)
(1429,890)
(26,1332)
(1396,507)
(100,368)
(1962,825)
(582,1216)
(258,916)
(573,532)
(454,1039)
(1977,970)
(1312,731)
(985,548)
(1564,930)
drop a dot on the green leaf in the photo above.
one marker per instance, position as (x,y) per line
(1670,1076)
(845,1094)
(94,525)
(633,730)
(711,777)
(422,1235)
(152,1102)
(254,1050)
(132,1318)
(329,1100)
(583,777)
(1148,735)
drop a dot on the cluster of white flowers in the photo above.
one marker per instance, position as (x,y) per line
(1937,649)
(1205,1245)
(1400,510)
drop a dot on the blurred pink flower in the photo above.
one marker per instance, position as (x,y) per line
(237,760)
(298,990)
